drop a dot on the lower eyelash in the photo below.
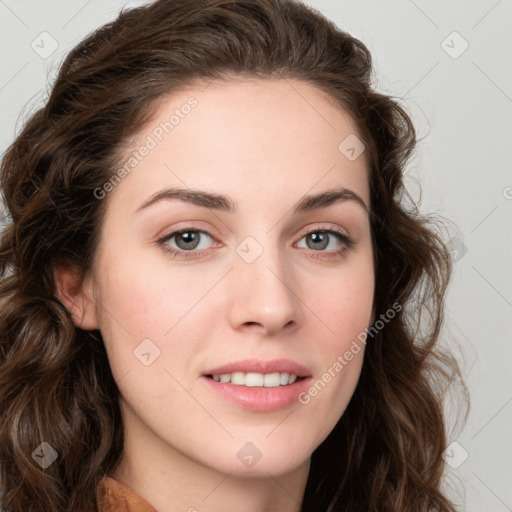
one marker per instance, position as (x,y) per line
(174,252)
(347,244)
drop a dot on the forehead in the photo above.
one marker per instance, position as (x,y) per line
(275,133)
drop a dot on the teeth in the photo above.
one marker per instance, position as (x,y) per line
(272,380)
(237,378)
(251,379)
(267,380)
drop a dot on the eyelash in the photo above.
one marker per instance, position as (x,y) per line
(346,241)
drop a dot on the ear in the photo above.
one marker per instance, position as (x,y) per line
(76,293)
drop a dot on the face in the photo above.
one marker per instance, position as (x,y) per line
(215,265)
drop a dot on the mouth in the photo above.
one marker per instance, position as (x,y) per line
(260,386)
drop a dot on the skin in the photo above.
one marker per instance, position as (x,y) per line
(265,144)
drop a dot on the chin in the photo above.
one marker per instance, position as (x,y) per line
(258,460)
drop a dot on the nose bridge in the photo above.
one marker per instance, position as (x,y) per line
(263,284)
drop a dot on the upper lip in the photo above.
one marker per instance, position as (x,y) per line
(260,366)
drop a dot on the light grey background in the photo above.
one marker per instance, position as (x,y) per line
(461,102)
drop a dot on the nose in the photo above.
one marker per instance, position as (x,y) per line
(262,294)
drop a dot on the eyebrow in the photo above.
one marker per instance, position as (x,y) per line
(224,203)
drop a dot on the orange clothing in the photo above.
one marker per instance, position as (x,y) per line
(113,496)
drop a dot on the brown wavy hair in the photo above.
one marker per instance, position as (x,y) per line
(385,453)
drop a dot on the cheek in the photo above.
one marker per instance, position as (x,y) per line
(146,298)
(131,303)
(343,302)
(140,302)
(344,305)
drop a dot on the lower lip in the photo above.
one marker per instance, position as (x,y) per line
(259,398)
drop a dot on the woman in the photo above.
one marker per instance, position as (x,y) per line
(211,288)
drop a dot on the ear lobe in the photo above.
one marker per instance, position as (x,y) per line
(75,292)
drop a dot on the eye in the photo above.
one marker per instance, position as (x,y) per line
(320,240)
(185,241)
(336,242)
